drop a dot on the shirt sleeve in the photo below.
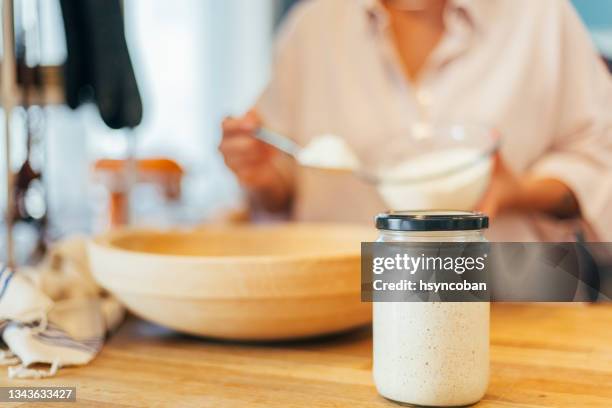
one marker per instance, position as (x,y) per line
(278,102)
(581,154)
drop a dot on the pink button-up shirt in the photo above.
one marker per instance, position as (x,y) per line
(526,67)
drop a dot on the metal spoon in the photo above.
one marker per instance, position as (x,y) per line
(288,146)
(282,143)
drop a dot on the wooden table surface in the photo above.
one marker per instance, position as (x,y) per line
(542,356)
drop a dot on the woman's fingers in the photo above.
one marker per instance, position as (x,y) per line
(241,146)
(248,157)
(235,126)
(504,191)
(240,161)
(489,204)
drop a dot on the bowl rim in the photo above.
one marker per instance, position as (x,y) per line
(105,241)
(486,152)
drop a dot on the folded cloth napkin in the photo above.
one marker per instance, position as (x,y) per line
(53,315)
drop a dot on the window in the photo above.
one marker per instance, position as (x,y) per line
(196,61)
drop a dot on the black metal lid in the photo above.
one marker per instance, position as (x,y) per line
(431,221)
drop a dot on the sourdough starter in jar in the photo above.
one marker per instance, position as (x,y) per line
(431,353)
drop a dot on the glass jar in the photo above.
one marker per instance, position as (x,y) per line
(431,353)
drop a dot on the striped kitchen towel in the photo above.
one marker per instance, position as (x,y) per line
(53,315)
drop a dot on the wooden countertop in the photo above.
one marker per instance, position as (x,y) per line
(542,356)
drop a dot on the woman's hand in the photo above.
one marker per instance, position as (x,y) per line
(502,192)
(508,191)
(246,156)
(253,162)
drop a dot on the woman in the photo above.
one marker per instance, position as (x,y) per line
(364,68)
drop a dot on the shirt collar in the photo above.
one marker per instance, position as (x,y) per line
(466,9)
(463,21)
(472,9)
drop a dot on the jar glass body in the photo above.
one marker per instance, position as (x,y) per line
(431,353)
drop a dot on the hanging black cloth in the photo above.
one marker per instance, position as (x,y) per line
(98,64)
(282,8)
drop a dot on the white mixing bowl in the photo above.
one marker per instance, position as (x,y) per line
(434,167)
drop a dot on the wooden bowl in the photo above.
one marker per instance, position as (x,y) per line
(238,282)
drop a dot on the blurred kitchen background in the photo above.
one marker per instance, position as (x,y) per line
(195,61)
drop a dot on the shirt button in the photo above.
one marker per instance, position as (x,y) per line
(424,97)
